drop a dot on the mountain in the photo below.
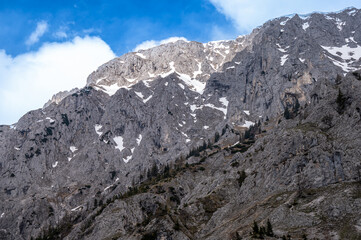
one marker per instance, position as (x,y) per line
(198,141)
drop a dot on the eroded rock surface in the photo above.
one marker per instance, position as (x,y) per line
(150,147)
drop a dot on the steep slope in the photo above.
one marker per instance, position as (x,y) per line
(303,176)
(152,107)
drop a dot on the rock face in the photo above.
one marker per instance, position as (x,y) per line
(57,98)
(159,144)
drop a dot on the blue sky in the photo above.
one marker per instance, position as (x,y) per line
(50,46)
(121,24)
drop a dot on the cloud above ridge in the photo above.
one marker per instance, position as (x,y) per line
(153,43)
(29,80)
(248,14)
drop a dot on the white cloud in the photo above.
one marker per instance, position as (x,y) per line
(60,34)
(28,80)
(248,14)
(41,28)
(145,45)
(153,43)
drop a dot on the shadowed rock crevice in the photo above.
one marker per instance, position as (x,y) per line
(198,141)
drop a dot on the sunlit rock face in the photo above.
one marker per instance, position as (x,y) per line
(60,164)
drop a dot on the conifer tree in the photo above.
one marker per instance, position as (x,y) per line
(287,114)
(269,230)
(216,137)
(341,100)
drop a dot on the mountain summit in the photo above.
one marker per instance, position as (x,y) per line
(247,138)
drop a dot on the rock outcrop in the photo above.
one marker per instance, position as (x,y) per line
(197,141)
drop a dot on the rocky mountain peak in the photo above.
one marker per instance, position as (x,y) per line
(194,62)
(57,98)
(198,141)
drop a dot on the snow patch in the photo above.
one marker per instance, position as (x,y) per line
(280,48)
(224,110)
(340,24)
(194,107)
(100,79)
(213,66)
(246,112)
(147,99)
(73,148)
(50,119)
(206,127)
(146,82)
(181,85)
(55,164)
(284,59)
(350,39)
(224,101)
(284,22)
(119,143)
(139,139)
(184,134)
(77,208)
(127,159)
(139,94)
(141,55)
(193,84)
(172,70)
(131,79)
(247,124)
(230,67)
(110,90)
(348,55)
(108,187)
(352,12)
(305,26)
(16,148)
(97,128)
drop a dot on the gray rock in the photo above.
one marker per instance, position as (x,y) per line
(151,108)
